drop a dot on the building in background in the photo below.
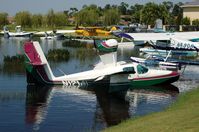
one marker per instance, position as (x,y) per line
(191,10)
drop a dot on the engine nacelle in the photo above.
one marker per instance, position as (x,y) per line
(107,50)
(106,46)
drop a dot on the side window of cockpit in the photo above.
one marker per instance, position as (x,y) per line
(141,69)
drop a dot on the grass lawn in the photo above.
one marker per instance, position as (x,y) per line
(49,28)
(182,116)
(12,28)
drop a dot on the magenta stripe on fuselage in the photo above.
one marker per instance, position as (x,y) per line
(173,74)
(105,45)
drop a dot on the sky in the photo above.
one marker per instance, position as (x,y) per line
(43,6)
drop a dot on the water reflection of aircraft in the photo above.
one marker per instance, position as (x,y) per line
(113,103)
(114,110)
(119,103)
(37,100)
(111,107)
(150,99)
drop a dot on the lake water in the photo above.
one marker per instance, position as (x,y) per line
(61,108)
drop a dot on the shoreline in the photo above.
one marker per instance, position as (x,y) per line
(182,115)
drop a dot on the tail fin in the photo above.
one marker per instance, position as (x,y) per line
(37,67)
(6,32)
(46,34)
(6,35)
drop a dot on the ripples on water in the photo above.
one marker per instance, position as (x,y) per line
(75,109)
(57,108)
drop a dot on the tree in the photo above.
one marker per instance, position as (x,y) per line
(84,6)
(168,5)
(37,20)
(164,13)
(186,21)
(60,19)
(178,13)
(87,16)
(107,7)
(50,19)
(111,16)
(3,19)
(100,11)
(123,8)
(136,12)
(170,17)
(23,18)
(44,21)
(149,13)
(72,11)
(177,9)
(152,11)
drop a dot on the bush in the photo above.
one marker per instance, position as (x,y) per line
(58,55)
(186,21)
(14,59)
(13,64)
(195,22)
(77,44)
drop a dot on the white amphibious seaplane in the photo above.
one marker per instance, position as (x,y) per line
(179,40)
(191,36)
(108,70)
(18,33)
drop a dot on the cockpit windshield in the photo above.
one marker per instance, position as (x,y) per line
(141,69)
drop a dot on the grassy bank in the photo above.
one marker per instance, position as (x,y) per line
(182,116)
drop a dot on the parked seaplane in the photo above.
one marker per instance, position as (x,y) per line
(175,44)
(53,35)
(156,61)
(142,38)
(18,32)
(108,70)
(92,31)
(161,50)
(191,36)
(43,33)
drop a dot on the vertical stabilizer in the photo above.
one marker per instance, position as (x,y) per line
(6,32)
(37,66)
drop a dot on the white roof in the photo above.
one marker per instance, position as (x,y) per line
(191,4)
